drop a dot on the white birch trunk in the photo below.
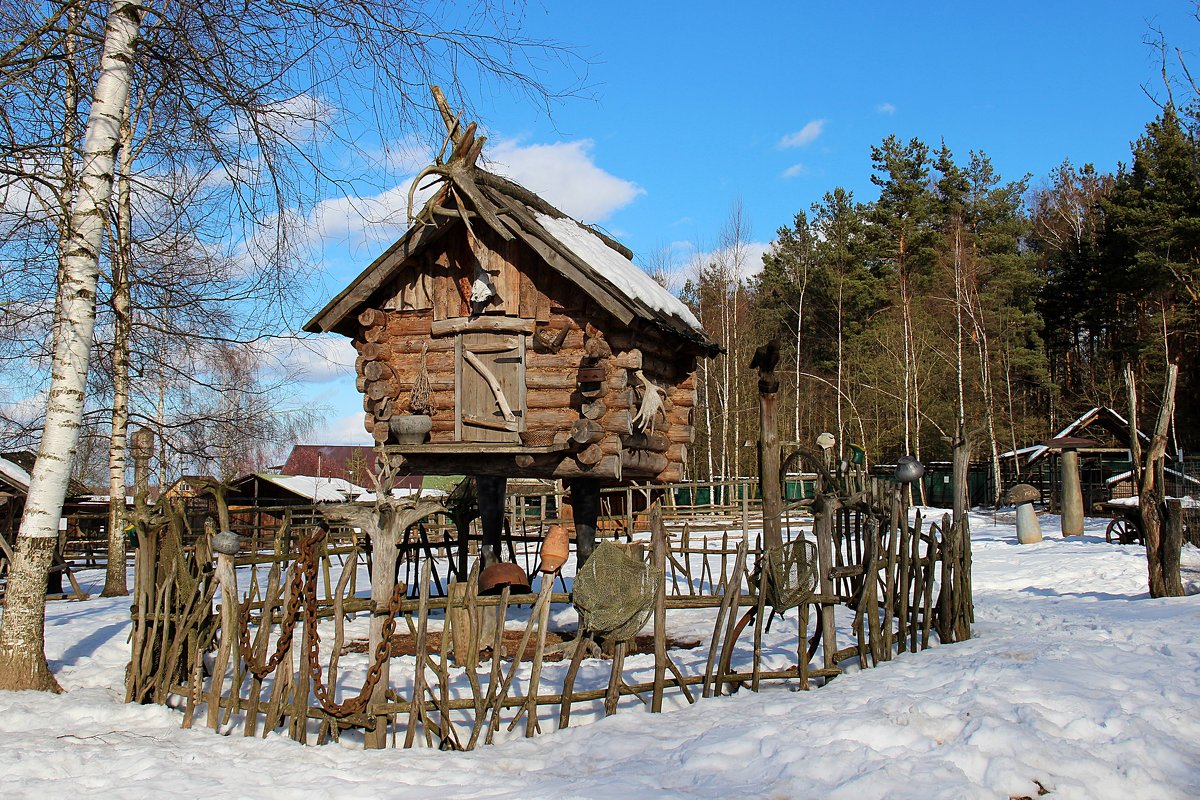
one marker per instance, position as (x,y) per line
(22,630)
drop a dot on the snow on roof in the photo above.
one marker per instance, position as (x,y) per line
(623,274)
(402,492)
(1087,418)
(14,473)
(320,490)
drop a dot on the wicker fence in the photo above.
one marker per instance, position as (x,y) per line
(318,629)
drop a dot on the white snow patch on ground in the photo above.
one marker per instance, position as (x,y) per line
(1074,679)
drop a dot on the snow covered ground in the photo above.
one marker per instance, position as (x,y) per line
(1075,684)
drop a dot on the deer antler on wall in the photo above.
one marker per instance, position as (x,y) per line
(653,399)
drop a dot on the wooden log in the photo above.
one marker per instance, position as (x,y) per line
(645,440)
(375,333)
(628,359)
(672,474)
(643,461)
(682,397)
(380,431)
(370,350)
(593,410)
(549,380)
(371,316)
(377,371)
(487,324)
(408,325)
(547,398)
(618,422)
(406,345)
(586,431)
(680,434)
(360,383)
(597,348)
(378,390)
(565,360)
(590,456)
(609,468)
(550,418)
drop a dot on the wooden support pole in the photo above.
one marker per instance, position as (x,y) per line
(765,360)
(659,565)
(383,582)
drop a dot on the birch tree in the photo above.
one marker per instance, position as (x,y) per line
(230,74)
(22,629)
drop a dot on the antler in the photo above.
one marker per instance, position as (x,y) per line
(653,398)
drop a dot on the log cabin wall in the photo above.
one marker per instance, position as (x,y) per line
(583,375)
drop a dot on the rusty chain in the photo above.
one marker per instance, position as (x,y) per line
(304,594)
(287,626)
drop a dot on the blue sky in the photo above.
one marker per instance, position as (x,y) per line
(693,106)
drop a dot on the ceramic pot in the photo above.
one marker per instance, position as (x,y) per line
(496,576)
(227,543)
(411,428)
(556,547)
(909,470)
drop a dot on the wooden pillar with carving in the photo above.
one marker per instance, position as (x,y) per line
(765,360)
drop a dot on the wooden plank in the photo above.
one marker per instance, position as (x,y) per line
(569,266)
(334,315)
(527,301)
(489,324)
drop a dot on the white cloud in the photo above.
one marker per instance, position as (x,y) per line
(745,261)
(315,359)
(373,219)
(565,174)
(344,430)
(795,170)
(806,135)
(885,108)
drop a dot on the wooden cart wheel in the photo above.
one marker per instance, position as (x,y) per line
(1123,531)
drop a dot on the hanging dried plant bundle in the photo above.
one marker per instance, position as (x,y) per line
(421,399)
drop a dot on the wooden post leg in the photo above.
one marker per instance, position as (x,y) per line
(383,582)
(585,504)
(490,492)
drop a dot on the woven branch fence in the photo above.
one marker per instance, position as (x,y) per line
(328,632)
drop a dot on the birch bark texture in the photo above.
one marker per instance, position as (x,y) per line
(22,628)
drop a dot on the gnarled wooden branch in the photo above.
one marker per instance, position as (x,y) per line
(501,400)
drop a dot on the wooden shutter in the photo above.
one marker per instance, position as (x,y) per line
(489,387)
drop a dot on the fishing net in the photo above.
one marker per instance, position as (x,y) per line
(791,575)
(614,593)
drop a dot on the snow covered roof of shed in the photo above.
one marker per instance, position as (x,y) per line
(14,475)
(318,490)
(470,196)
(1107,418)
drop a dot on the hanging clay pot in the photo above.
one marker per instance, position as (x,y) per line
(555,549)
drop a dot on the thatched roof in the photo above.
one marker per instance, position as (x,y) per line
(472,196)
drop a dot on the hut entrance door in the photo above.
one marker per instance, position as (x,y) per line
(489,387)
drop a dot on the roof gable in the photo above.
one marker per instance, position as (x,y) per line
(472,197)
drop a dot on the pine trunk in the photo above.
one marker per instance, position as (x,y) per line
(22,630)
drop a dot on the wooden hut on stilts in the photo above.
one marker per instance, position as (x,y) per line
(500,338)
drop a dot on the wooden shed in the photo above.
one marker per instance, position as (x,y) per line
(538,348)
